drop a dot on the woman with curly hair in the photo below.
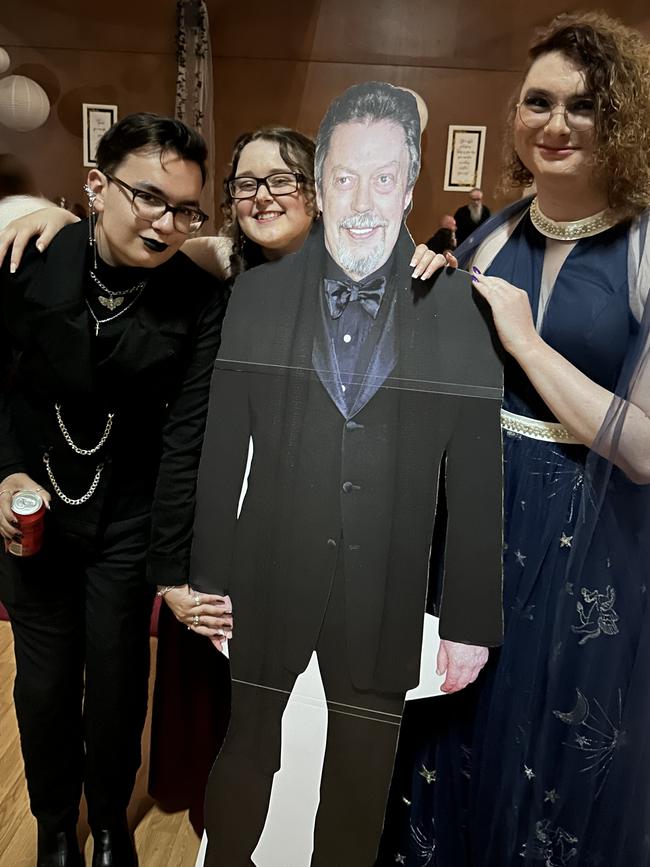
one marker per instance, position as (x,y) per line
(545,760)
(268,204)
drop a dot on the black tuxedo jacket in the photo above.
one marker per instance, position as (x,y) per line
(356,488)
(155,380)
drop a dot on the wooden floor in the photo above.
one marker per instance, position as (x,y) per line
(162,839)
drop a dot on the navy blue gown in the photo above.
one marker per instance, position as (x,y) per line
(543,762)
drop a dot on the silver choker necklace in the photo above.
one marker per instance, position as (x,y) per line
(571,230)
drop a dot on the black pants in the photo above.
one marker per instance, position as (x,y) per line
(80,618)
(361,741)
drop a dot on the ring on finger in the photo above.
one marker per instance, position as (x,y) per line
(196,620)
(197,600)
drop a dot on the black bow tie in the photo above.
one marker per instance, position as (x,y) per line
(339,293)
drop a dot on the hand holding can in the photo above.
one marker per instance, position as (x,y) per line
(10,529)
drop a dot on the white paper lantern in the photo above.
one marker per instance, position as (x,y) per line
(23,103)
(4,61)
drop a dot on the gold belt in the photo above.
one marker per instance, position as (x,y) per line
(548,431)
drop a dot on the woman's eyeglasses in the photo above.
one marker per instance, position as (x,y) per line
(536,112)
(278,184)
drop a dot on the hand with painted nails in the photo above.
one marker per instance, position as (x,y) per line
(43,224)
(461,663)
(204,613)
(9,486)
(425,262)
(511,311)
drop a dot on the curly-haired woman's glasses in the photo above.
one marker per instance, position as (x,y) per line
(536,112)
(278,184)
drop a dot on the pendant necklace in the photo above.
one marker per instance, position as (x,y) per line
(99,321)
(112,299)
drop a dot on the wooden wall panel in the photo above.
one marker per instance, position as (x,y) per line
(146,26)
(467,33)
(279,63)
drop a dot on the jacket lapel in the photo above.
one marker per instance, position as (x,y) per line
(396,328)
(324,357)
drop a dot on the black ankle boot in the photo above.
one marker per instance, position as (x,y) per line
(114,848)
(58,848)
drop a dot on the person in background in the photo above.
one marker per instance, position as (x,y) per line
(444,240)
(470,216)
(105,369)
(546,760)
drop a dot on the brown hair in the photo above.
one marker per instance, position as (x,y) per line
(616,64)
(297,151)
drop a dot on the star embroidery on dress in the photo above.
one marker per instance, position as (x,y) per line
(520,558)
(530,773)
(551,796)
(565,541)
(400,859)
(429,776)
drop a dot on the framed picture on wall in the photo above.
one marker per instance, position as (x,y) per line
(464,166)
(96,120)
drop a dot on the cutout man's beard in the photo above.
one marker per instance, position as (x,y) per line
(354,262)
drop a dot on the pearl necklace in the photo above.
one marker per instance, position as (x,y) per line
(571,230)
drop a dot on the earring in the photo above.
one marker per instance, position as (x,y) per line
(92,219)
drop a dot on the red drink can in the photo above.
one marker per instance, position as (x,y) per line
(29,509)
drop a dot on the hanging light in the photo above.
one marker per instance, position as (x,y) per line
(24,105)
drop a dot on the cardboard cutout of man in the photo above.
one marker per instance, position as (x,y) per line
(352,387)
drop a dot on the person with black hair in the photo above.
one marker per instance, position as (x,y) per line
(106,364)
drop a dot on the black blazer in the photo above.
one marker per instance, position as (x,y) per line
(155,380)
(359,487)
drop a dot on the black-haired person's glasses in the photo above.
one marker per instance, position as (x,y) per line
(278,184)
(150,207)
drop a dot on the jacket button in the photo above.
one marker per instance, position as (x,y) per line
(352,425)
(331,543)
(347,487)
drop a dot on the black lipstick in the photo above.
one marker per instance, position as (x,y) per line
(154,246)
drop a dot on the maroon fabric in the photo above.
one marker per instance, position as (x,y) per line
(191,707)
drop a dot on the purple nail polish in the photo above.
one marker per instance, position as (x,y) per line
(475,269)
